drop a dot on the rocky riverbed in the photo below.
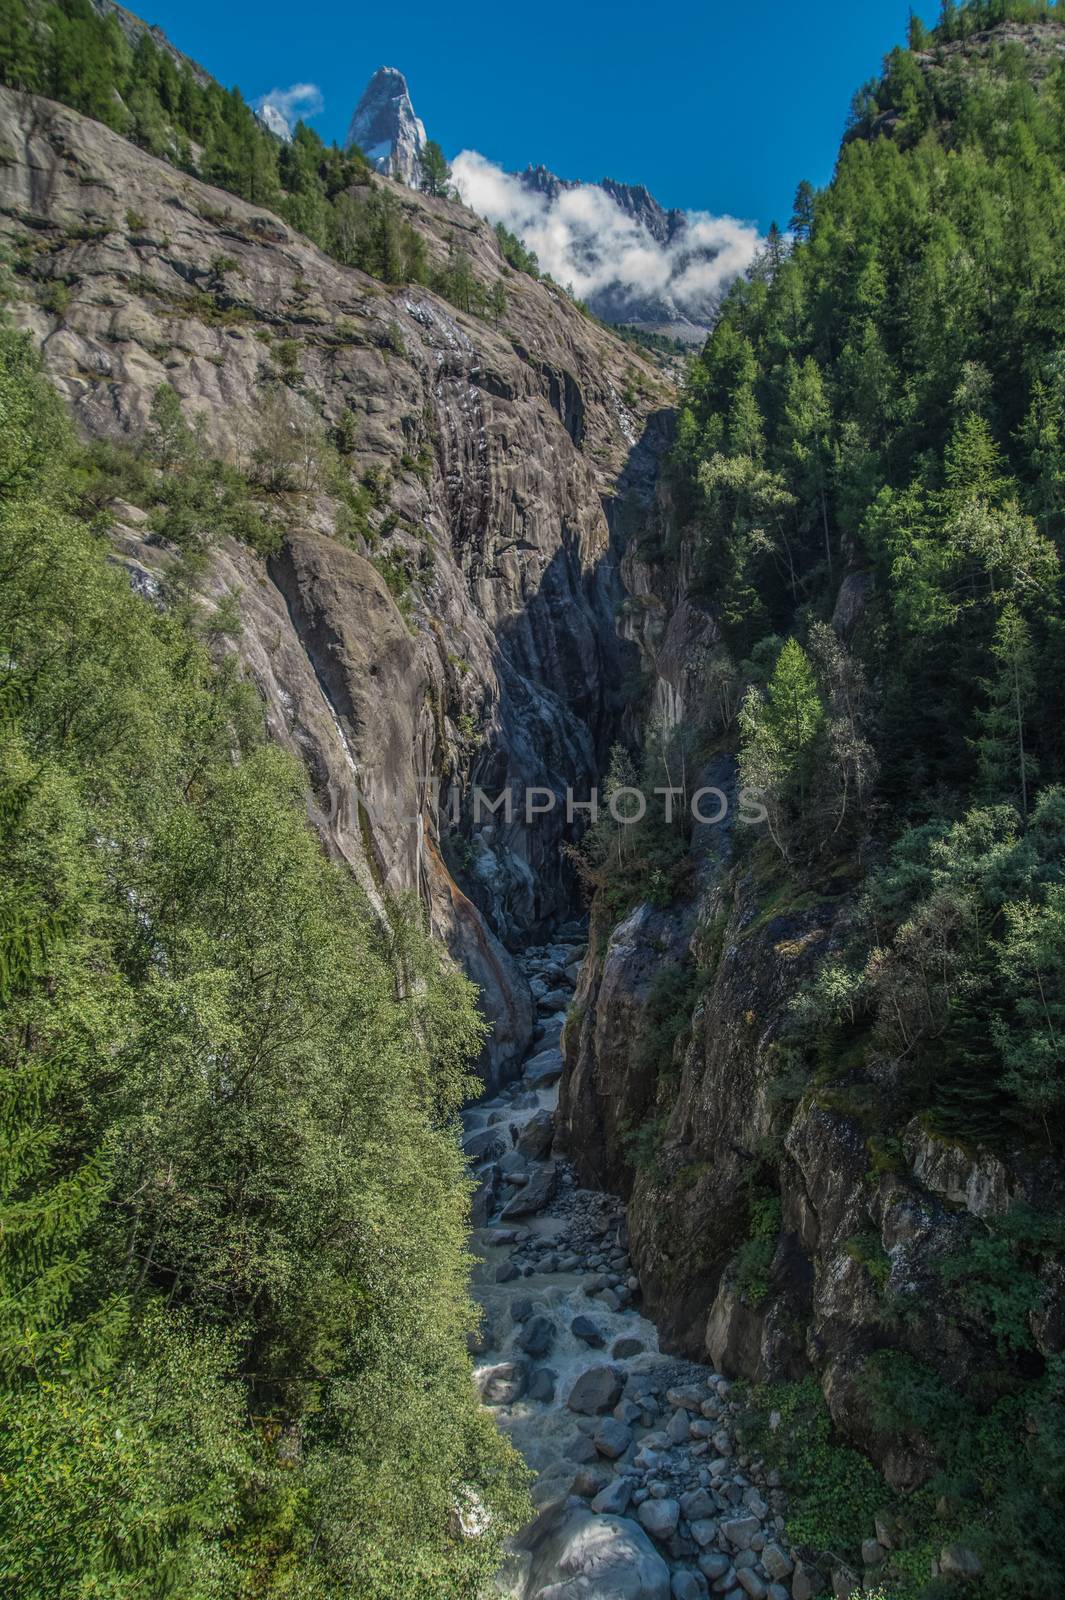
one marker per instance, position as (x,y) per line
(641,1487)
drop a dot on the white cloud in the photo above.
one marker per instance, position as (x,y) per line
(587,242)
(298,101)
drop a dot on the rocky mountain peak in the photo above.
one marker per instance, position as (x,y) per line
(274,121)
(659,308)
(385,127)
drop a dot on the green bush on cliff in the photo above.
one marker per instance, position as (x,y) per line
(753,1260)
(232,1202)
(1000,1467)
(833,1492)
(633,853)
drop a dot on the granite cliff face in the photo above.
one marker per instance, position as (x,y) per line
(495,452)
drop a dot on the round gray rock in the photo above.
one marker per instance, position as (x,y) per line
(577,1555)
(595,1391)
(659,1517)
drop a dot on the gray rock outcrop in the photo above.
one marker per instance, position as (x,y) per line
(386,129)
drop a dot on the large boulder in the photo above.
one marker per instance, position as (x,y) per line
(486,1144)
(537,1336)
(739,1531)
(534,1140)
(544,1068)
(485,1197)
(612,1438)
(614,1499)
(534,1196)
(577,1555)
(542,1385)
(548,1033)
(554,1000)
(660,1517)
(958,1561)
(596,1391)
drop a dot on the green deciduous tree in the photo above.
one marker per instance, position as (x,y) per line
(233,1302)
(780,731)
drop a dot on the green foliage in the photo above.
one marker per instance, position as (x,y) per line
(457,282)
(199,499)
(881,403)
(895,404)
(1001,1467)
(642,1144)
(514,252)
(781,729)
(233,1205)
(637,847)
(995,1289)
(833,1492)
(396,573)
(867,1249)
(665,1019)
(434,170)
(958,968)
(373,234)
(658,343)
(752,1262)
(803,749)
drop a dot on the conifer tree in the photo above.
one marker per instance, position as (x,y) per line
(808,420)
(802,211)
(1007,767)
(433,169)
(780,730)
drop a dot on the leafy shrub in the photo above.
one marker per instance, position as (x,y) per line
(833,1491)
(752,1262)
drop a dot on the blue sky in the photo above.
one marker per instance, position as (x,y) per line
(720,107)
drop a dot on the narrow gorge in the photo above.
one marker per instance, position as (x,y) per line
(511,461)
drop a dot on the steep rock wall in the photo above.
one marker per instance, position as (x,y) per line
(852,1207)
(496,449)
